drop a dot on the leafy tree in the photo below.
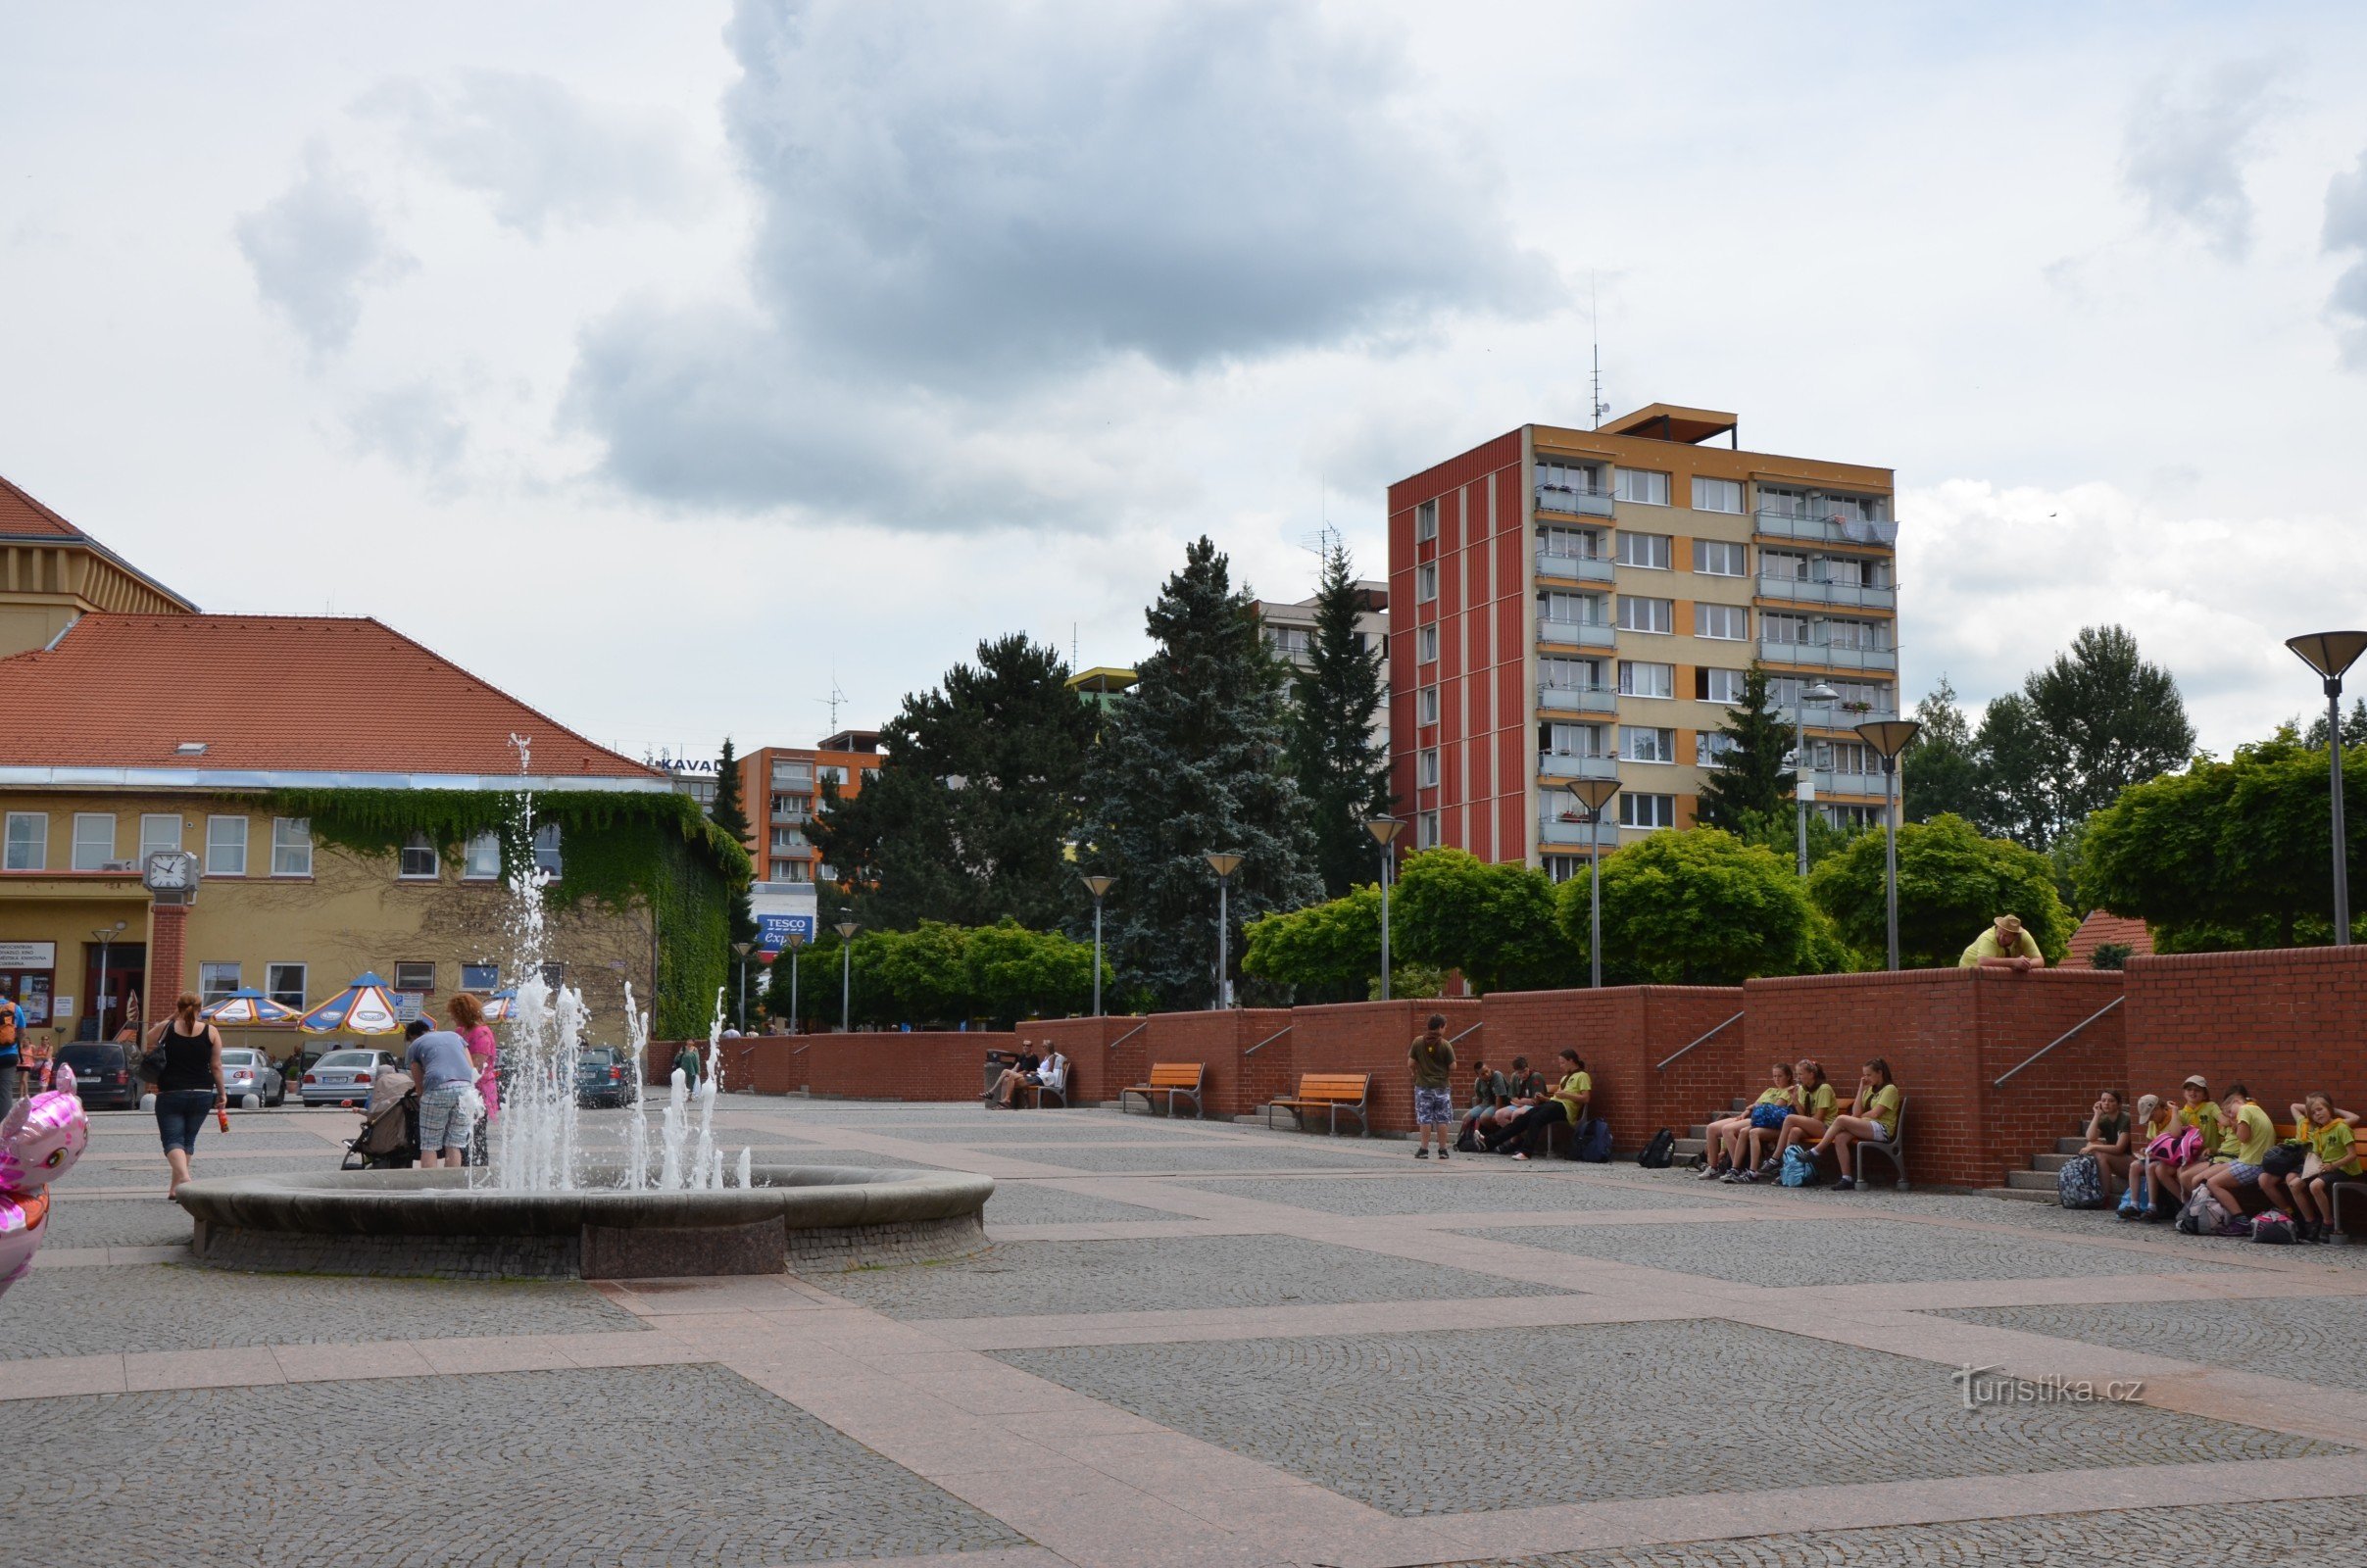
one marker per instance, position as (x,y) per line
(1192,762)
(940,974)
(2018,767)
(965,820)
(1749,777)
(729,814)
(2355,728)
(1329,952)
(1015,973)
(1952,883)
(1493,922)
(1700,908)
(1778,832)
(2114,718)
(1940,771)
(1343,771)
(2227,854)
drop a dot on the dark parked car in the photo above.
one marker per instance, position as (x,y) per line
(602,1077)
(103,1075)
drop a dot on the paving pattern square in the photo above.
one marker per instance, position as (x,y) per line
(1448,1192)
(1031,1127)
(152,1174)
(1435,1423)
(2315,1530)
(1028,1278)
(117,1224)
(2314,1339)
(1833,1252)
(1248,1154)
(1032,1204)
(179,1306)
(686,1465)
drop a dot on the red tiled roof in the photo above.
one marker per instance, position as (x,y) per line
(287,693)
(2102,926)
(24,517)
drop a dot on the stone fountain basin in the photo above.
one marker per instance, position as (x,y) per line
(810,1218)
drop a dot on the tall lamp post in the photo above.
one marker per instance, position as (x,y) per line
(1384,831)
(1890,737)
(1225,864)
(794,938)
(1593,795)
(743,949)
(846,969)
(1099,887)
(103,936)
(2330,654)
(1803,788)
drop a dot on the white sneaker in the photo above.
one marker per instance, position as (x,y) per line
(1521,1156)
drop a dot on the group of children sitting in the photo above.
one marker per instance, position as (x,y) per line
(1512,1112)
(1800,1107)
(2159,1157)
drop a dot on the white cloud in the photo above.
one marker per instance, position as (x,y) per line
(2186,145)
(2346,233)
(313,249)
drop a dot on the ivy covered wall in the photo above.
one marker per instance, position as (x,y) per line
(651,850)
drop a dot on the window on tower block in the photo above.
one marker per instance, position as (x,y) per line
(1425,651)
(1425,587)
(1425,529)
(1727,622)
(1426,709)
(1718,558)
(1644,486)
(1647,810)
(1644,615)
(1642,744)
(1643,549)
(1641,678)
(1717,685)
(1716,495)
(1426,770)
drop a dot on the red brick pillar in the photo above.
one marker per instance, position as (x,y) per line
(168,959)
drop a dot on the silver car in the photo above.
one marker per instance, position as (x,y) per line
(343,1077)
(247,1072)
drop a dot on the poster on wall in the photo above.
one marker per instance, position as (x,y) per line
(33,954)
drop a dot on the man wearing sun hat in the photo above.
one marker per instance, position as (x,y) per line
(2005,944)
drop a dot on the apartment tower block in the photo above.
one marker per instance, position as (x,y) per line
(1585,603)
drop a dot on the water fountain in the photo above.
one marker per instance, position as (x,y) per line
(546,1205)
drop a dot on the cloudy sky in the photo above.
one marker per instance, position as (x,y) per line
(669,364)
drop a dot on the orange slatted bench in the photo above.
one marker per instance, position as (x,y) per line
(1331,1093)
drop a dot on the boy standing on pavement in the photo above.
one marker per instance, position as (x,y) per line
(1432,1062)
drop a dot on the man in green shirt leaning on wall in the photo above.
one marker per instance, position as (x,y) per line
(2005,945)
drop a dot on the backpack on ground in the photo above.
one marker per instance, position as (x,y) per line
(2273,1226)
(1799,1167)
(1466,1142)
(2201,1214)
(1592,1140)
(2080,1183)
(1655,1155)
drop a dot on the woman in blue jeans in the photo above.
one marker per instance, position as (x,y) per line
(190,1085)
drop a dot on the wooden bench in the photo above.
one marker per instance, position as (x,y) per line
(1892,1148)
(1173,1079)
(1331,1093)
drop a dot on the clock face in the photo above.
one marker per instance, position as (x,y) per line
(170,869)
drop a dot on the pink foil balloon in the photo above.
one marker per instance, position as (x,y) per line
(40,1139)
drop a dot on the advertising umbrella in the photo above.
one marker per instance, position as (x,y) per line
(364,1007)
(498,1004)
(247,1006)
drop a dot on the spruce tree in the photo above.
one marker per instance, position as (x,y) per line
(1750,778)
(1940,771)
(731,814)
(1340,769)
(1193,761)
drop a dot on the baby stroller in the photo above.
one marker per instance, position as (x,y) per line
(389,1138)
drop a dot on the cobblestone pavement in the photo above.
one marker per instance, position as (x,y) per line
(1836,1251)
(674,1465)
(2315,1341)
(152,1173)
(1160,1275)
(179,1306)
(1452,1423)
(1253,1350)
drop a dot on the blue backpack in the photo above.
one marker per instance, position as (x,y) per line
(1799,1169)
(1593,1142)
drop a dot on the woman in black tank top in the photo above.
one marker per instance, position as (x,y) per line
(189,1086)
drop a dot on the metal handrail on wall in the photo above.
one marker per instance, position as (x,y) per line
(1662,1066)
(1129,1034)
(1267,1040)
(2058,1040)
(1474,1029)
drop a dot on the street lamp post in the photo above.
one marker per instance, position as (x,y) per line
(743,949)
(795,939)
(1098,886)
(2330,654)
(1803,786)
(1225,864)
(1890,737)
(1384,831)
(1593,795)
(104,935)
(846,969)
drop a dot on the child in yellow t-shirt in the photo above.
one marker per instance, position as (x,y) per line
(2333,1140)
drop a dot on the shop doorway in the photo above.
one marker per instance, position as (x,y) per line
(113,994)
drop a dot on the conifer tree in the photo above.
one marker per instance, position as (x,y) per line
(1194,761)
(1750,778)
(731,814)
(1340,769)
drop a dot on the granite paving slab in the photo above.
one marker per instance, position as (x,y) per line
(2315,1339)
(1482,1420)
(1248,1154)
(1448,1192)
(159,1223)
(1033,1204)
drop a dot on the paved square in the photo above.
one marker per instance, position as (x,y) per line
(2310,1339)
(1034,1203)
(1449,1192)
(154,1222)
(1246,1152)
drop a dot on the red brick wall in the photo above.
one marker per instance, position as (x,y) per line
(1093,1072)
(1373,1037)
(1623,1033)
(2284,1021)
(2054,1094)
(168,958)
(1216,1041)
(899,1066)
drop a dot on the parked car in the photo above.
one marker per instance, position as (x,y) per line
(603,1077)
(343,1077)
(248,1072)
(103,1074)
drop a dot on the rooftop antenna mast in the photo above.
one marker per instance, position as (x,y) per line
(832,701)
(1595,325)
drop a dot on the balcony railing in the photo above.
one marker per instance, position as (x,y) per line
(1848,786)
(800,818)
(1578,568)
(1836,529)
(1572,764)
(1582,698)
(1576,502)
(1826,655)
(1836,716)
(1575,633)
(1811,592)
(1554,832)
